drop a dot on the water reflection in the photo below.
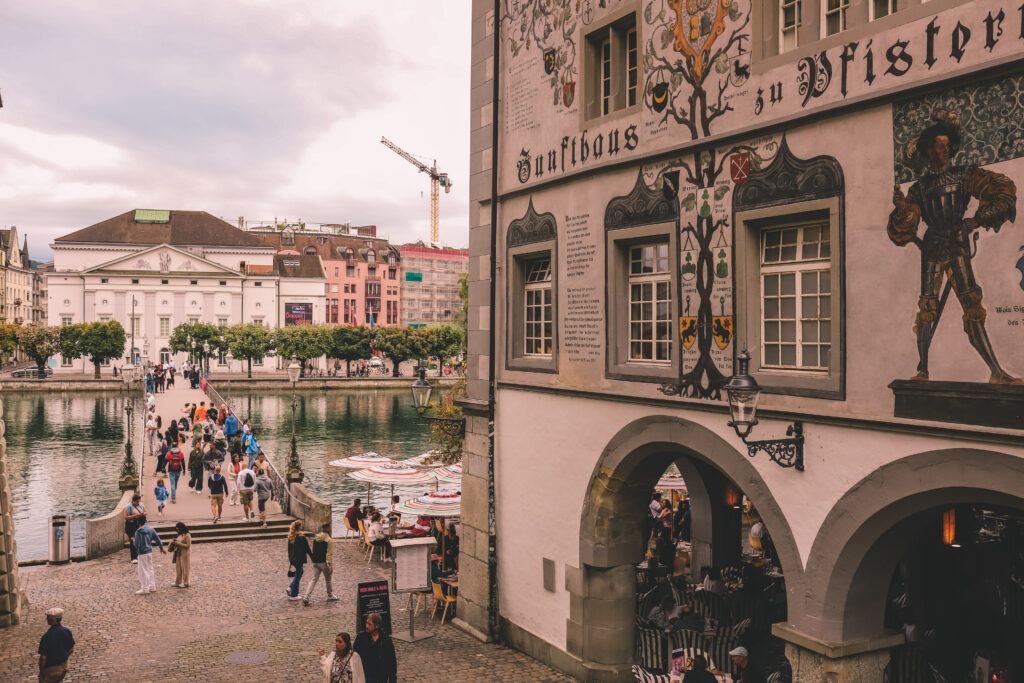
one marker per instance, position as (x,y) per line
(63,455)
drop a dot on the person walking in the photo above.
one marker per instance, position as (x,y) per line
(195,468)
(322,556)
(343,665)
(264,492)
(151,428)
(252,447)
(298,553)
(170,376)
(218,486)
(133,512)
(161,457)
(144,537)
(233,468)
(182,547)
(230,426)
(161,494)
(246,483)
(55,648)
(377,652)
(175,466)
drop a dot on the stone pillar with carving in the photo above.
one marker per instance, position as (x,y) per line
(10,595)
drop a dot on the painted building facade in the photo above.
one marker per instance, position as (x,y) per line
(19,285)
(430,291)
(153,270)
(832,188)
(363,271)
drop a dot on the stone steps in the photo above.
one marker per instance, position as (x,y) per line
(228,531)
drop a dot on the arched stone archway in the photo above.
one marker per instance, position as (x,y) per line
(602,599)
(863,537)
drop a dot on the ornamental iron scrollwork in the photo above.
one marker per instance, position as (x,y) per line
(784,452)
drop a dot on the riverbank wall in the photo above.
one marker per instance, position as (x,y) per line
(105,535)
(65,383)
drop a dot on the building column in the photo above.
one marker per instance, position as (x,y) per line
(10,595)
(855,661)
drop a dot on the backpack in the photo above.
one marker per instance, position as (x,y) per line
(174,464)
(159,422)
(249,480)
(319,552)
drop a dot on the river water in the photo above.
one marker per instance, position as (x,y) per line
(64,450)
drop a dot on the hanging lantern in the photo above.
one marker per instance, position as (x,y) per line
(732,496)
(949,528)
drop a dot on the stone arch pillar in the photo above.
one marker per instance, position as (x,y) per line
(612,524)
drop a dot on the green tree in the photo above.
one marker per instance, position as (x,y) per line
(443,341)
(303,342)
(249,341)
(201,333)
(349,343)
(102,342)
(8,340)
(39,342)
(71,340)
(400,344)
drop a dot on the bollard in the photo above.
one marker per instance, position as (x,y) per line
(60,539)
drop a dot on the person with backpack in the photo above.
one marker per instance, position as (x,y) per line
(161,495)
(246,483)
(322,557)
(252,447)
(195,468)
(175,465)
(133,512)
(264,492)
(218,486)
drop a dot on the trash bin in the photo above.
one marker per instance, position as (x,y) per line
(60,539)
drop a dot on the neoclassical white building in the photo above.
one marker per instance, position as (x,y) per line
(152,270)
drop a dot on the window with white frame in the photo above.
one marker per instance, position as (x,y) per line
(790,19)
(796,297)
(136,326)
(835,16)
(614,61)
(65,321)
(165,327)
(165,355)
(650,304)
(537,312)
(65,362)
(883,8)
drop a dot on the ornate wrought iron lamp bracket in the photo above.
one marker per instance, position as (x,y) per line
(784,452)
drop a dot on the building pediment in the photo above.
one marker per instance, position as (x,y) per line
(162,259)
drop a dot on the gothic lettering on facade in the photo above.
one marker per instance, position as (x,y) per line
(575,151)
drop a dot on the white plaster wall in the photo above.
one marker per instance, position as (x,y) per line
(542,476)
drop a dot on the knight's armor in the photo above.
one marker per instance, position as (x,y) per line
(940,200)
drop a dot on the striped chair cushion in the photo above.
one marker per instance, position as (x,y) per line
(648,601)
(643,676)
(652,649)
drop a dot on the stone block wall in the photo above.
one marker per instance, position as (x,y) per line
(10,596)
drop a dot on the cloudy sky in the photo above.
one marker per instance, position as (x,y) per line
(255,108)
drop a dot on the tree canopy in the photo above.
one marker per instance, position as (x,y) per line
(39,342)
(303,342)
(249,341)
(443,341)
(8,340)
(202,333)
(102,342)
(400,344)
(350,343)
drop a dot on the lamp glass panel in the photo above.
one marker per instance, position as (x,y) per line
(421,395)
(743,405)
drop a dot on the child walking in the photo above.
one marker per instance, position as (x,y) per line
(160,493)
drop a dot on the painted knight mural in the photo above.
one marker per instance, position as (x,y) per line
(940,199)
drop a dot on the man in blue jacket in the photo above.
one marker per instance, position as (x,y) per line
(144,538)
(230,426)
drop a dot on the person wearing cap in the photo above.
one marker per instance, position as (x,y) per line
(749,672)
(55,648)
(132,512)
(698,672)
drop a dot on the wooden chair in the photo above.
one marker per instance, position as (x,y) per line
(420,597)
(350,531)
(367,547)
(440,597)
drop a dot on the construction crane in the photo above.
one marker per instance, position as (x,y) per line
(436,180)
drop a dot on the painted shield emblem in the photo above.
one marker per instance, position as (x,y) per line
(688,330)
(721,327)
(659,97)
(739,167)
(569,93)
(550,61)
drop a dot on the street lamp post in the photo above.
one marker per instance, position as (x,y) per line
(129,479)
(294,472)
(206,353)
(193,351)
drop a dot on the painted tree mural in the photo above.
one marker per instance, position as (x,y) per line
(550,26)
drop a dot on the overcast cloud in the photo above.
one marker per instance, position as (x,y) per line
(254,108)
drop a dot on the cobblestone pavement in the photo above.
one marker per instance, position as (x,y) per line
(236,604)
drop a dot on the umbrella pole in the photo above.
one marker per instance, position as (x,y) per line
(368,493)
